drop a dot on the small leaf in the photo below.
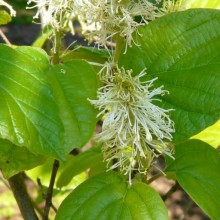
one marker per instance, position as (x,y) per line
(28,112)
(196,167)
(88,54)
(40,41)
(107,196)
(5,18)
(73,84)
(91,159)
(186,60)
(15,159)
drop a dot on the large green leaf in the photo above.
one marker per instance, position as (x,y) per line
(182,50)
(28,113)
(108,196)
(197,169)
(14,159)
(73,84)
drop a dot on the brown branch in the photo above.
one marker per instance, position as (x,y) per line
(50,190)
(24,202)
(44,195)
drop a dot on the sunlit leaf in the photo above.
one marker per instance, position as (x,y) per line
(201,4)
(210,135)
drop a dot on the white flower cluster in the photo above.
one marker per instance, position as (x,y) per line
(100,19)
(12,11)
(134,129)
(103,19)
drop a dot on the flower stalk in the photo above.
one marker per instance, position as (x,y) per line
(56,48)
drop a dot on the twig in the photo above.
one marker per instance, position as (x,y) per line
(50,190)
(41,188)
(24,202)
(155,177)
(44,194)
(171,191)
(5,38)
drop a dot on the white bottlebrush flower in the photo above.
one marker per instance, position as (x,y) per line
(56,13)
(12,11)
(134,130)
(103,19)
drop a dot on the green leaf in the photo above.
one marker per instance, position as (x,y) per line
(201,4)
(15,159)
(108,196)
(186,60)
(210,135)
(28,113)
(5,18)
(196,167)
(73,84)
(91,159)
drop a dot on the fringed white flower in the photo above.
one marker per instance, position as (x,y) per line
(56,13)
(134,130)
(12,11)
